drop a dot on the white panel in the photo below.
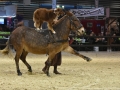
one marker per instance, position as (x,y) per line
(8,11)
(11,10)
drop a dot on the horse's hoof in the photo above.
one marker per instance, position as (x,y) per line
(47,73)
(87,59)
(19,74)
(30,70)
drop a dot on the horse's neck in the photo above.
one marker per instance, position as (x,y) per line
(61,27)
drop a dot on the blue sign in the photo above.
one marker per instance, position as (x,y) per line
(53,4)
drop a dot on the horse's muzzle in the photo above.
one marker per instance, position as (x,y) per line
(81,31)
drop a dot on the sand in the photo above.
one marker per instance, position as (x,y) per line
(102,73)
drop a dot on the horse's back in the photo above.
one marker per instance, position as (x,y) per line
(29,39)
(22,31)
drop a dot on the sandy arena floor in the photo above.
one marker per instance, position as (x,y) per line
(102,73)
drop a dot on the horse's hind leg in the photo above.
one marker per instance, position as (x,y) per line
(23,58)
(17,56)
(72,51)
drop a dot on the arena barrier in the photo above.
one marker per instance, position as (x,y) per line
(87,45)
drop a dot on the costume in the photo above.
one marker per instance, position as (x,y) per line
(56,61)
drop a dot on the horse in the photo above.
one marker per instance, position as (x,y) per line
(26,39)
(112,26)
(46,15)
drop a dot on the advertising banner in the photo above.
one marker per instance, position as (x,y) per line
(88,12)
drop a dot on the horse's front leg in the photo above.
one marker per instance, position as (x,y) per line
(47,68)
(72,51)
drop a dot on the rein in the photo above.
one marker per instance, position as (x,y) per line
(72,23)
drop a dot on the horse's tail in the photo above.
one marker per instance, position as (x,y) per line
(6,50)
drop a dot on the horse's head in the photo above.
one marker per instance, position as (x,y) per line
(112,25)
(115,26)
(75,24)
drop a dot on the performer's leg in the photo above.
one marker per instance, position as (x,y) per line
(55,62)
(55,70)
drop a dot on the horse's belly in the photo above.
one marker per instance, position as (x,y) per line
(36,50)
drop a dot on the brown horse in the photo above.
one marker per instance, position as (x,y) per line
(112,28)
(26,39)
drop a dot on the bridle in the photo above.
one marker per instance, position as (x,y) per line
(72,23)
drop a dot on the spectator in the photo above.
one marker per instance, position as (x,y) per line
(100,40)
(92,39)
